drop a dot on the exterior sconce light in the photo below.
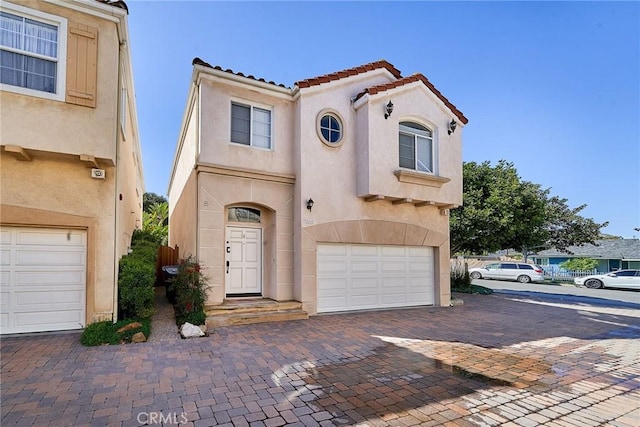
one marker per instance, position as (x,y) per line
(310,204)
(388,110)
(452,127)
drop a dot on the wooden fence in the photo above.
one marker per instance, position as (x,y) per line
(166,256)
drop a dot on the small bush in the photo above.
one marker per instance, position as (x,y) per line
(460,279)
(135,283)
(580,264)
(100,333)
(190,289)
(106,332)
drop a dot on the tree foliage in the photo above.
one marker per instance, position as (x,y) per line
(155,219)
(150,199)
(580,264)
(500,211)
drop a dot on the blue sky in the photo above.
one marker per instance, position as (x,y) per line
(553,87)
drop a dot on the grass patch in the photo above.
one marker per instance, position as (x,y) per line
(106,332)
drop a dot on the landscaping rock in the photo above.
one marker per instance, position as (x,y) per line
(138,337)
(130,326)
(456,302)
(188,330)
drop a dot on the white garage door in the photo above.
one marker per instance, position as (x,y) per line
(42,279)
(358,277)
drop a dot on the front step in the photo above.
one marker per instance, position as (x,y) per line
(243,311)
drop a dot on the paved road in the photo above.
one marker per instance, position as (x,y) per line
(622,295)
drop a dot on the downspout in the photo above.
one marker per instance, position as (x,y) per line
(116,222)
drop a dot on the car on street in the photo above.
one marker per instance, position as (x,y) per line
(520,271)
(616,279)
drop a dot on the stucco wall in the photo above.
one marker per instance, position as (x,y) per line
(183,223)
(45,193)
(215,146)
(187,152)
(78,129)
(215,194)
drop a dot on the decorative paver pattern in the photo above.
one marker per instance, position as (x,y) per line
(496,360)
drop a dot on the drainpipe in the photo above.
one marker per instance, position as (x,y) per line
(116,198)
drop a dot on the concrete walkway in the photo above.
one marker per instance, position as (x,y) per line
(497,360)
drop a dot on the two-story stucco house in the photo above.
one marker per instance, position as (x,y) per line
(70,164)
(334,193)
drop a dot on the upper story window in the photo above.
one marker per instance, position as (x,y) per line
(416,147)
(32,52)
(330,129)
(250,125)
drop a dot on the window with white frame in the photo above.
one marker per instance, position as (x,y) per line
(32,51)
(250,125)
(416,147)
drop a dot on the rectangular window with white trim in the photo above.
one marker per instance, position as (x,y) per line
(32,51)
(250,125)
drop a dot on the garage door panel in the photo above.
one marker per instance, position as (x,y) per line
(49,278)
(5,257)
(393,266)
(42,320)
(393,251)
(373,276)
(48,258)
(50,237)
(43,278)
(34,300)
(335,250)
(363,302)
(333,266)
(362,250)
(5,237)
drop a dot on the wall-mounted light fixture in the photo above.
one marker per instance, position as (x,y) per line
(388,109)
(452,127)
(310,204)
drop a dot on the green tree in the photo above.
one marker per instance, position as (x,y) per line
(502,212)
(150,199)
(155,222)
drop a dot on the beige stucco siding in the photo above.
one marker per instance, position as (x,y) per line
(415,104)
(78,129)
(44,193)
(274,199)
(183,218)
(215,145)
(185,157)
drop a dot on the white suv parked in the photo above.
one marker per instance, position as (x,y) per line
(520,271)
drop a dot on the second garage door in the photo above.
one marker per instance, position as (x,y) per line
(359,277)
(42,279)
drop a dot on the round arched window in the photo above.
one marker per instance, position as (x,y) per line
(330,129)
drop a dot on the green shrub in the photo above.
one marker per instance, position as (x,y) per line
(190,289)
(100,333)
(135,283)
(460,279)
(106,332)
(580,264)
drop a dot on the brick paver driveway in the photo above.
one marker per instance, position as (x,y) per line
(497,360)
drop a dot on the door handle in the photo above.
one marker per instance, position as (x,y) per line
(227,267)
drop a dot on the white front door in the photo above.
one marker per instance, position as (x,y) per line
(243,263)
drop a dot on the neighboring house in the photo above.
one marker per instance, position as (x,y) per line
(70,163)
(611,254)
(334,193)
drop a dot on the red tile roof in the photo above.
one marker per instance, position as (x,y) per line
(349,72)
(198,61)
(411,79)
(315,81)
